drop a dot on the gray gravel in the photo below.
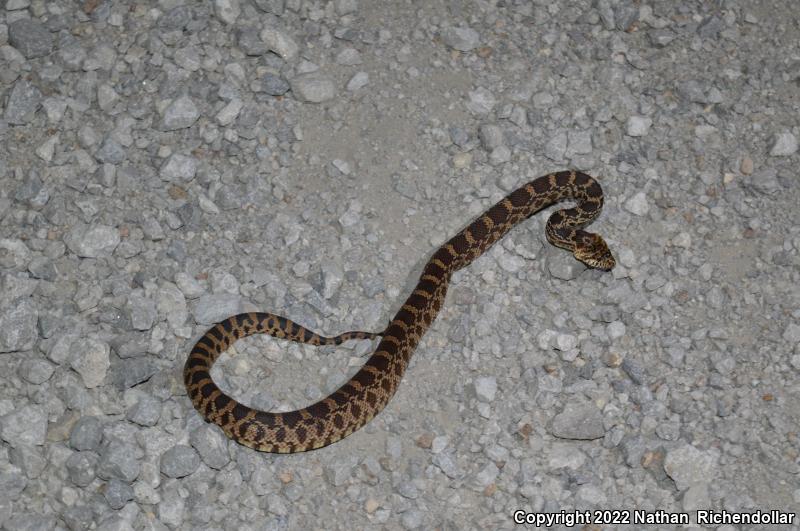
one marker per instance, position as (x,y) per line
(165,164)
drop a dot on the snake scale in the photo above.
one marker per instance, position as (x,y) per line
(362,397)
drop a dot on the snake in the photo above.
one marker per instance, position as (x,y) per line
(369,390)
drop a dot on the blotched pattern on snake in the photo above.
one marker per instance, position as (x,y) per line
(361,398)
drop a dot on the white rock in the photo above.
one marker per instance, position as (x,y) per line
(687,465)
(461,39)
(485,388)
(313,88)
(481,101)
(227,10)
(637,204)
(91,360)
(639,125)
(280,43)
(228,114)
(359,80)
(785,145)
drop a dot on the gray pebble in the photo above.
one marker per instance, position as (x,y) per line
(24,426)
(23,101)
(35,370)
(134,371)
(91,360)
(638,126)
(358,81)
(280,43)
(179,461)
(274,85)
(30,37)
(145,412)
(86,434)
(81,468)
(634,370)
(313,88)
(179,168)
(210,309)
(18,326)
(784,144)
(117,494)
(485,388)
(462,39)
(227,10)
(13,482)
(91,241)
(578,421)
(118,461)
(637,204)
(687,465)
(111,152)
(180,114)
(211,444)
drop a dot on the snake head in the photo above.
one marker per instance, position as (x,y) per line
(593,251)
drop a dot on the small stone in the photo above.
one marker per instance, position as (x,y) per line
(784,144)
(25,426)
(491,136)
(638,125)
(349,57)
(92,241)
(683,240)
(81,468)
(30,37)
(179,461)
(117,494)
(579,142)
(280,43)
(23,101)
(146,411)
(250,42)
(106,97)
(18,326)
(500,155)
(111,152)
(481,101)
(180,114)
(565,342)
(227,10)
(210,309)
(274,85)
(36,370)
(179,168)
(359,80)
(118,460)
(211,444)
(615,329)
(746,166)
(86,434)
(46,149)
(228,114)
(792,333)
(687,466)
(581,421)
(461,39)
(485,388)
(637,204)
(345,7)
(634,370)
(313,88)
(91,360)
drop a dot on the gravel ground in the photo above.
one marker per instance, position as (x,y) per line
(164,166)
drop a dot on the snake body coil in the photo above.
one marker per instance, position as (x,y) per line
(370,389)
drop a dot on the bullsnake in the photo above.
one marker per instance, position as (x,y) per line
(362,397)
